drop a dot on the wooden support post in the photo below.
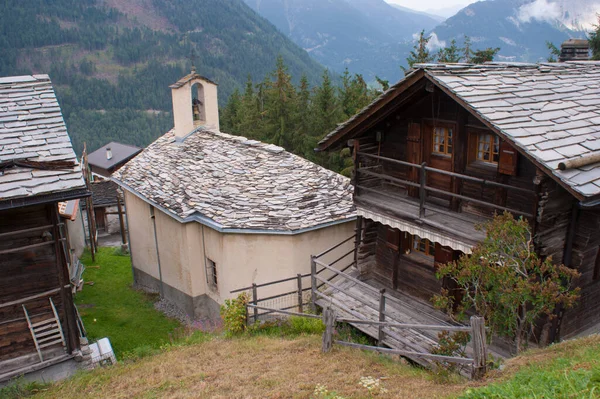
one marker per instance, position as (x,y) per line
(66,298)
(121,222)
(381,335)
(357,239)
(300,300)
(422,192)
(255,301)
(479,347)
(313,284)
(329,321)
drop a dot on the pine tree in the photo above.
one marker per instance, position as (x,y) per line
(595,41)
(420,53)
(303,141)
(249,115)
(483,56)
(449,55)
(467,52)
(554,52)
(327,113)
(279,106)
(231,115)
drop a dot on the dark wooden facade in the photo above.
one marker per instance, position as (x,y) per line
(426,160)
(33,270)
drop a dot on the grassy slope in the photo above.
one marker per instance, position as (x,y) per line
(256,367)
(567,370)
(110,308)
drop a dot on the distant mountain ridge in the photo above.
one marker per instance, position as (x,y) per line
(519,27)
(112,61)
(366,36)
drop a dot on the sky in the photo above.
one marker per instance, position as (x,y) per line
(424,5)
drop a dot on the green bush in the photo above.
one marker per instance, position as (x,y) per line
(20,388)
(234,315)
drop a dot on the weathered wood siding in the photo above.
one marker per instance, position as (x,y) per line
(26,273)
(586,259)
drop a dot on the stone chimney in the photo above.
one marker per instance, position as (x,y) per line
(195,104)
(575,50)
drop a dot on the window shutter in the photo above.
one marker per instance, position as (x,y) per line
(507,163)
(393,238)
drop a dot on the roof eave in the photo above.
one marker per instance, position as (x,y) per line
(363,115)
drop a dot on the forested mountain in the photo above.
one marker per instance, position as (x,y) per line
(369,37)
(520,28)
(113,60)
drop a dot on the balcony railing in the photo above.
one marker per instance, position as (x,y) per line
(424,190)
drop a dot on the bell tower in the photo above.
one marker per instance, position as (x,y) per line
(195,104)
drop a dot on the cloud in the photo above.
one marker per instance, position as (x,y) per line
(542,10)
(434,42)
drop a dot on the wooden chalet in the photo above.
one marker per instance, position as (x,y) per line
(38,172)
(449,145)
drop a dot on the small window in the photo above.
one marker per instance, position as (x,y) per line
(442,140)
(423,245)
(211,273)
(488,147)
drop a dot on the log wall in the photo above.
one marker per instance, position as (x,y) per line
(29,272)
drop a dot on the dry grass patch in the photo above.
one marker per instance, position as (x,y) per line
(260,367)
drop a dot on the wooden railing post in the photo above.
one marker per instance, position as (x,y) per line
(381,316)
(255,301)
(329,321)
(313,284)
(357,239)
(479,347)
(422,192)
(300,300)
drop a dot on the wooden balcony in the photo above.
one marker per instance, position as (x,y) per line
(405,191)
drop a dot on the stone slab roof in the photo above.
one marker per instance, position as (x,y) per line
(551,111)
(120,153)
(104,193)
(237,183)
(32,129)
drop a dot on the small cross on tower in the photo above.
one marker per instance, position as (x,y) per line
(193,56)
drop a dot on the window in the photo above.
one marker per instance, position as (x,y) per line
(488,147)
(442,140)
(211,273)
(423,246)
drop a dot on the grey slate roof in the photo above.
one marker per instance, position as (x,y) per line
(32,128)
(120,153)
(104,193)
(237,183)
(551,111)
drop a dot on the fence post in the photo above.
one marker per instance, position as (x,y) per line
(357,238)
(255,301)
(381,316)
(313,284)
(300,300)
(329,321)
(479,347)
(422,192)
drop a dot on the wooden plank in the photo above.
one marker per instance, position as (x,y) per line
(407,325)
(272,310)
(450,359)
(30,298)
(31,246)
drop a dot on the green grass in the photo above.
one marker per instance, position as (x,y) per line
(111,308)
(567,370)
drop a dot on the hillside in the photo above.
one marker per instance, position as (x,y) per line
(366,36)
(519,27)
(279,367)
(113,60)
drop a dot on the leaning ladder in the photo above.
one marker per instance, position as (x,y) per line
(47,332)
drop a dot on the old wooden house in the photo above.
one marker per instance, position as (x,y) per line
(449,145)
(38,169)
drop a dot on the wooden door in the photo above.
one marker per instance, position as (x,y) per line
(414,155)
(100,216)
(444,255)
